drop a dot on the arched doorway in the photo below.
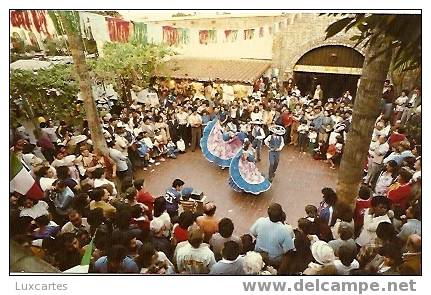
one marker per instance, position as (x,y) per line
(336,68)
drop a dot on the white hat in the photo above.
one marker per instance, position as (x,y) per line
(156,225)
(257,122)
(322,252)
(277,129)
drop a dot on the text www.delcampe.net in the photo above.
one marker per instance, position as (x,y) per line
(302,285)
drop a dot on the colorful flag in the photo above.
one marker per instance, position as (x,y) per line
(183,35)
(119,30)
(170,36)
(248,34)
(21,180)
(261,32)
(231,35)
(207,36)
(20,19)
(140,32)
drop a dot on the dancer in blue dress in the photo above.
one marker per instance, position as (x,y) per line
(244,176)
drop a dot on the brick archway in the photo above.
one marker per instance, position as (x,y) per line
(341,40)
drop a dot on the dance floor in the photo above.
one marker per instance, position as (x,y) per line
(298,182)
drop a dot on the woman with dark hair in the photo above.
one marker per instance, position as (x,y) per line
(180,229)
(326,208)
(160,213)
(296,261)
(386,178)
(372,218)
(392,259)
(151,261)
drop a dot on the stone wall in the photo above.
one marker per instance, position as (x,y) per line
(305,32)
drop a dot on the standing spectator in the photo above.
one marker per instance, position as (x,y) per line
(144,197)
(193,256)
(195,122)
(208,223)
(271,235)
(326,208)
(116,261)
(232,263)
(377,152)
(372,218)
(224,234)
(411,263)
(400,193)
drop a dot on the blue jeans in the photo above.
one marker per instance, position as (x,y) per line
(274,158)
(257,145)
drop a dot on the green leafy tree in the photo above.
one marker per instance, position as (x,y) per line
(50,91)
(128,64)
(388,39)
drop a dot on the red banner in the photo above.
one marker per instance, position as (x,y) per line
(119,30)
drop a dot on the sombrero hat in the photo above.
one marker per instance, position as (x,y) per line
(277,129)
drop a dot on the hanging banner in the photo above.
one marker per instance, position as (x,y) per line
(20,19)
(230,35)
(170,36)
(270,30)
(98,26)
(248,34)
(183,36)
(207,36)
(140,32)
(119,30)
(39,21)
(261,32)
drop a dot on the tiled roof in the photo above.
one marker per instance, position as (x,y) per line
(200,69)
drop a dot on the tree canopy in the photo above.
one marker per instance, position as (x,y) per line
(51,91)
(127,64)
(403,30)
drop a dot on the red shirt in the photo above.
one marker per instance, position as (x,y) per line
(180,234)
(286,119)
(401,195)
(361,205)
(395,138)
(147,199)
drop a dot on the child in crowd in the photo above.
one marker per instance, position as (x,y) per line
(302,136)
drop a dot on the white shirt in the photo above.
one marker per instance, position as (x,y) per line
(70,228)
(345,270)
(41,208)
(378,151)
(194,260)
(102,181)
(119,159)
(368,233)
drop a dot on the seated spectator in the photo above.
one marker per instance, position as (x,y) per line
(194,256)
(208,223)
(232,263)
(116,261)
(224,234)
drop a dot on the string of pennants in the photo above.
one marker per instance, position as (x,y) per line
(109,29)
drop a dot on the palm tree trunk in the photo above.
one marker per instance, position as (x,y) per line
(365,112)
(78,55)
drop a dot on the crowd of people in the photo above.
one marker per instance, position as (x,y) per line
(93,204)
